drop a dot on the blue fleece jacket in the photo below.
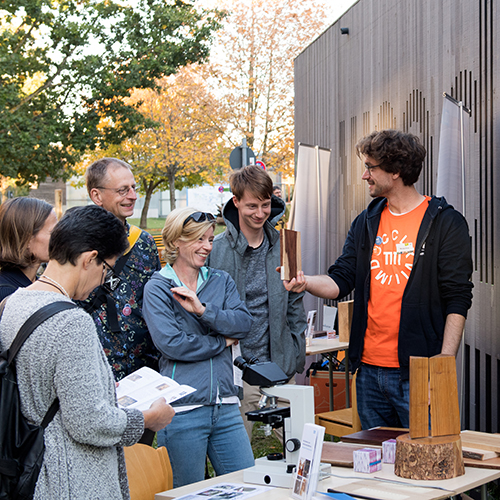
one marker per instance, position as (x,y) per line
(193,349)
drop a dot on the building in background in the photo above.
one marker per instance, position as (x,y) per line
(386,64)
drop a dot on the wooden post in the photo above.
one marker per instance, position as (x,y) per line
(445,413)
(419,397)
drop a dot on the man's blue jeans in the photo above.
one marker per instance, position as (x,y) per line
(216,430)
(383,398)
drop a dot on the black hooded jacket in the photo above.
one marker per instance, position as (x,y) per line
(439,282)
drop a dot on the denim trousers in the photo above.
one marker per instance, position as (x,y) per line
(216,430)
(383,398)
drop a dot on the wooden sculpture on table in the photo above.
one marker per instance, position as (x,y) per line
(438,456)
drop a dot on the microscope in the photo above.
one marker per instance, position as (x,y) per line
(277,469)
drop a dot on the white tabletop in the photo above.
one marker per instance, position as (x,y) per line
(352,482)
(321,345)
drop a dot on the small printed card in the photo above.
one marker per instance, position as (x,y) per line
(305,481)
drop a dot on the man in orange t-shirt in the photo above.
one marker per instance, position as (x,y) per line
(408,259)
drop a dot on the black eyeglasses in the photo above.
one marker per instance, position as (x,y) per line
(199,217)
(371,167)
(111,280)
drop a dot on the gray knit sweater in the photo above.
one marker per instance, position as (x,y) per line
(63,358)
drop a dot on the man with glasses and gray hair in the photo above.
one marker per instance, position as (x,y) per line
(117,306)
(408,259)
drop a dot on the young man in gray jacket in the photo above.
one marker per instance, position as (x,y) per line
(249,250)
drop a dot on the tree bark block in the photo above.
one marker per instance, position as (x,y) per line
(429,458)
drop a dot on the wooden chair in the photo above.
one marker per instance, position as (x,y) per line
(159,245)
(341,422)
(148,470)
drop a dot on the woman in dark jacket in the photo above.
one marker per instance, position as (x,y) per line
(25,227)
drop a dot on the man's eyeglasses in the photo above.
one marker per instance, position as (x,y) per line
(371,167)
(123,191)
(111,279)
(199,217)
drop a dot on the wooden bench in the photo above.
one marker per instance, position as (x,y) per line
(159,244)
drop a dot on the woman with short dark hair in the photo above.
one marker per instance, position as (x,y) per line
(63,358)
(25,228)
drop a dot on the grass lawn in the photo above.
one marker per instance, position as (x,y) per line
(155,225)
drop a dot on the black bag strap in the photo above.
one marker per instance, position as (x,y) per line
(26,330)
(33,322)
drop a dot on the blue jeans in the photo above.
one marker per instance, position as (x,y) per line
(383,398)
(214,430)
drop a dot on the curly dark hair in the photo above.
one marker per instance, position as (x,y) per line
(396,152)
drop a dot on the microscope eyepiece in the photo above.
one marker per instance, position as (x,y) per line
(240,363)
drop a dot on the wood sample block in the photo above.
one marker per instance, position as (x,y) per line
(429,458)
(445,412)
(344,312)
(481,440)
(290,252)
(419,397)
(478,454)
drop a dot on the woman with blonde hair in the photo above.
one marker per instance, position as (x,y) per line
(194,314)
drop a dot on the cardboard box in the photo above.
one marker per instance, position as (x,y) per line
(321,393)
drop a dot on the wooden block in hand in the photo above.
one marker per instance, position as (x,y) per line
(419,397)
(344,311)
(291,257)
(445,413)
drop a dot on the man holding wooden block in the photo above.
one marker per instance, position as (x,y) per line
(249,250)
(408,258)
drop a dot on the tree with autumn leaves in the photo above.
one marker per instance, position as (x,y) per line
(252,71)
(184,148)
(245,91)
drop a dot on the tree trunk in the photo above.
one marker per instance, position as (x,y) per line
(149,190)
(429,458)
(171,186)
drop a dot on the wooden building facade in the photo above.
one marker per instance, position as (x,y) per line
(390,71)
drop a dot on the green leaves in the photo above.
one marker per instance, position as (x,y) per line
(68,66)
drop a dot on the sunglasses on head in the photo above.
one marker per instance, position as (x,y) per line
(199,217)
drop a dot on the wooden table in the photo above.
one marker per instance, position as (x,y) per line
(328,347)
(352,482)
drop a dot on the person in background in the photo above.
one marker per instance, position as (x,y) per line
(408,259)
(63,359)
(195,315)
(25,228)
(281,224)
(118,315)
(249,250)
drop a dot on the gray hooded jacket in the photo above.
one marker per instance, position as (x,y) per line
(287,319)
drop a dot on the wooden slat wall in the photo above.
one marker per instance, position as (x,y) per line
(391,71)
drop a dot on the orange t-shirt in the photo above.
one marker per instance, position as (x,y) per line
(391,264)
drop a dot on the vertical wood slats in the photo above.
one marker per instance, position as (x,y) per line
(365,78)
